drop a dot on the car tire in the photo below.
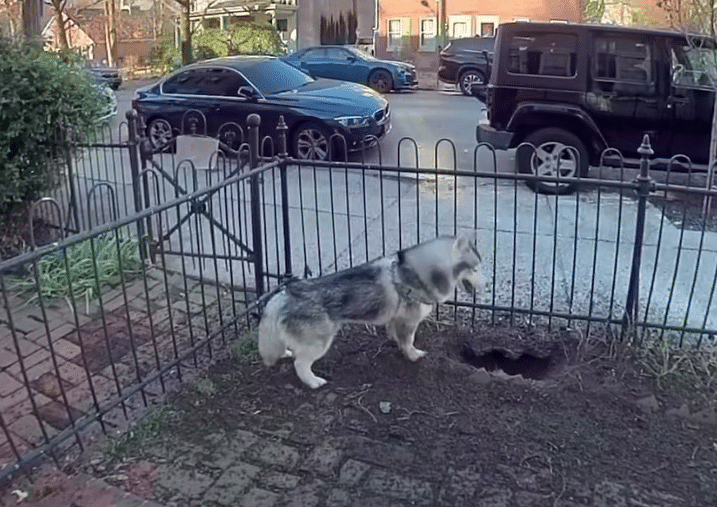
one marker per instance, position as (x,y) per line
(468,78)
(381,81)
(311,142)
(159,133)
(549,144)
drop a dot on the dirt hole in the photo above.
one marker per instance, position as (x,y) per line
(526,365)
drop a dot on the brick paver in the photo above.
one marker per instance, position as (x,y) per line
(32,338)
(254,473)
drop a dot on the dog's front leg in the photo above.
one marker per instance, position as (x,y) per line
(403,331)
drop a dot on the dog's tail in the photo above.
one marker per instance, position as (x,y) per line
(271,346)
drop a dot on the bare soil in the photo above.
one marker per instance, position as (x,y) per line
(591,417)
(588,414)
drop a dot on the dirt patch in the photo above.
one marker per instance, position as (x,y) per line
(592,425)
(587,420)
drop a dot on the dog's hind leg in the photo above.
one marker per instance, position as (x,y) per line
(304,358)
(306,354)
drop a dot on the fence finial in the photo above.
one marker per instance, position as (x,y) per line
(282,128)
(645,149)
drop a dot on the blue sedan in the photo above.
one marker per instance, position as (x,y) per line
(348,63)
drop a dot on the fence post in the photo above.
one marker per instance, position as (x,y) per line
(645,185)
(74,202)
(282,128)
(253,121)
(133,147)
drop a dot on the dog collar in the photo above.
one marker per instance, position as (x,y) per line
(406,291)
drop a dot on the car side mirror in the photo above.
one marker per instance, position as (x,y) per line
(351,59)
(246,91)
(479,91)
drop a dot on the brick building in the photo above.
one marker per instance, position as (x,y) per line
(408,29)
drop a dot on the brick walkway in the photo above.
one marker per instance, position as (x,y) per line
(106,341)
(256,469)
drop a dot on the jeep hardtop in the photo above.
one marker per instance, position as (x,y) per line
(574,90)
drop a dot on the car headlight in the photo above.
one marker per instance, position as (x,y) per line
(353,121)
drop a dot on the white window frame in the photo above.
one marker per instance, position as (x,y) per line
(394,40)
(454,19)
(432,36)
(486,19)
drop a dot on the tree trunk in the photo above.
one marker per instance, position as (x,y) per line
(111,31)
(59,7)
(186,33)
(31,14)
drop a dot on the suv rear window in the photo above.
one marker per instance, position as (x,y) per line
(543,54)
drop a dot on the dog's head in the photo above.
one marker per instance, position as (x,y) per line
(467,262)
(437,267)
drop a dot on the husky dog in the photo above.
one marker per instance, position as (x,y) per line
(397,291)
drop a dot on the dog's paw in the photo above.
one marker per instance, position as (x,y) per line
(414,354)
(316,382)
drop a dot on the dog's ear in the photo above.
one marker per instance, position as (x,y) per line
(463,241)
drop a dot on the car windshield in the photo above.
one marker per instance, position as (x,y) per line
(275,76)
(361,55)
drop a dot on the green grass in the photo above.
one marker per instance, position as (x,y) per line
(245,349)
(205,386)
(55,277)
(140,436)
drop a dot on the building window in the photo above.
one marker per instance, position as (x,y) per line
(282,25)
(211,23)
(428,34)
(486,25)
(395,33)
(487,30)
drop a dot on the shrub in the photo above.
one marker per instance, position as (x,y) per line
(166,56)
(41,94)
(241,39)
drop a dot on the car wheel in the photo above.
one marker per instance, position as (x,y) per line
(381,81)
(311,143)
(554,148)
(159,132)
(468,79)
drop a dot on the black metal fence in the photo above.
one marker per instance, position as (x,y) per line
(171,268)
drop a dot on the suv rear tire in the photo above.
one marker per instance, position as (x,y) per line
(551,143)
(468,78)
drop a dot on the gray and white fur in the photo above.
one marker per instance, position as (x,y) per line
(397,291)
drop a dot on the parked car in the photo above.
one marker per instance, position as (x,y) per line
(109,101)
(101,74)
(575,90)
(225,91)
(349,63)
(466,62)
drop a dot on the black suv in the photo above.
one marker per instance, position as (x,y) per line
(575,90)
(466,62)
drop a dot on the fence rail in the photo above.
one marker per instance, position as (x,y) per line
(174,265)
